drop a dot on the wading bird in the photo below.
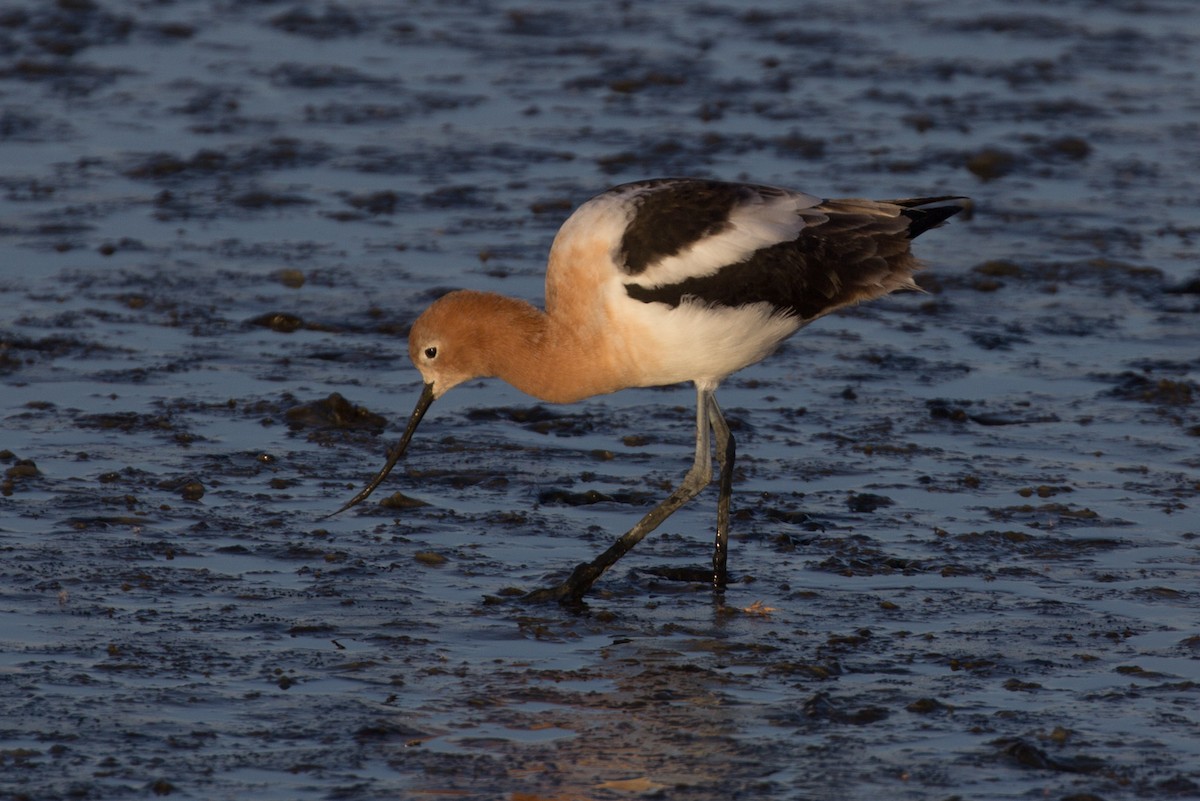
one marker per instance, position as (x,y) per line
(663,281)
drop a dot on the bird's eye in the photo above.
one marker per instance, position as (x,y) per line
(431,353)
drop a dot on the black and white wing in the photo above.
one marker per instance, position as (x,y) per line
(731,244)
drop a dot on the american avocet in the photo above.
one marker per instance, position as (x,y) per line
(658,282)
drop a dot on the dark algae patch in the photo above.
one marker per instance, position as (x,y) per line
(964,523)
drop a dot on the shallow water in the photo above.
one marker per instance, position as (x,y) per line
(965,542)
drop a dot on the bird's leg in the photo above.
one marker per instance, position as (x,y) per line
(726,452)
(697,478)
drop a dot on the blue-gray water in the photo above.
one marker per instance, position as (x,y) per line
(965,521)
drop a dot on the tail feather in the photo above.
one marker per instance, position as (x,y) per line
(923,214)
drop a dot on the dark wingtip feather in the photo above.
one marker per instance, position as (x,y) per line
(923,214)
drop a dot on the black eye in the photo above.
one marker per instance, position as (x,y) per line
(431,353)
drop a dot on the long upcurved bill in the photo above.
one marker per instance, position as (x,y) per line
(423,404)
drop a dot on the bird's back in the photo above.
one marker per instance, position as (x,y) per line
(684,261)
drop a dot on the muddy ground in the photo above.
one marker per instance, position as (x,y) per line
(965,548)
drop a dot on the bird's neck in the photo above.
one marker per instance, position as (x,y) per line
(542,355)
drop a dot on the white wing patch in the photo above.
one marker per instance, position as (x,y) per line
(760,223)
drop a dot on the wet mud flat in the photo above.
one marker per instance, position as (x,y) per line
(965,541)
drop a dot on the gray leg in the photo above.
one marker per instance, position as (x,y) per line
(697,478)
(726,452)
